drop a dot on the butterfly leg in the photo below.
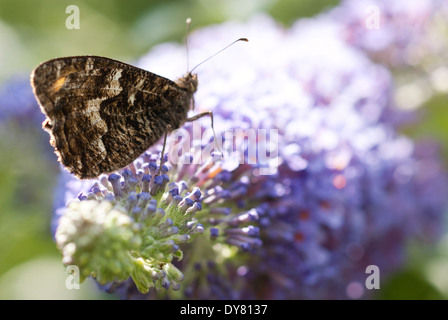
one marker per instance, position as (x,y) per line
(168,129)
(204,114)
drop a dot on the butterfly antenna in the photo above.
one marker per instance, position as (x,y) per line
(187,31)
(240,39)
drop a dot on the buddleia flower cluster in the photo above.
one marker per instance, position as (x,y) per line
(307,183)
(134,223)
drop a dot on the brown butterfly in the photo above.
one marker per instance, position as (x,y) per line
(102,114)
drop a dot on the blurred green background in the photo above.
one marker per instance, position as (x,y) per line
(34,31)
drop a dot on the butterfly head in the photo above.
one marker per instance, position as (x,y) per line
(189,82)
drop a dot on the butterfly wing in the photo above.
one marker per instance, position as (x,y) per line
(102,113)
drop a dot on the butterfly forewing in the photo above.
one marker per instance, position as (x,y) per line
(102,113)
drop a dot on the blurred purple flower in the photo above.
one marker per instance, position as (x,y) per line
(388,29)
(349,190)
(17,102)
(410,37)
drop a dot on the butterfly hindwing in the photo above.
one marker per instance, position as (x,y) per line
(102,113)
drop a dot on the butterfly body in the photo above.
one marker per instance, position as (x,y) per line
(102,114)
